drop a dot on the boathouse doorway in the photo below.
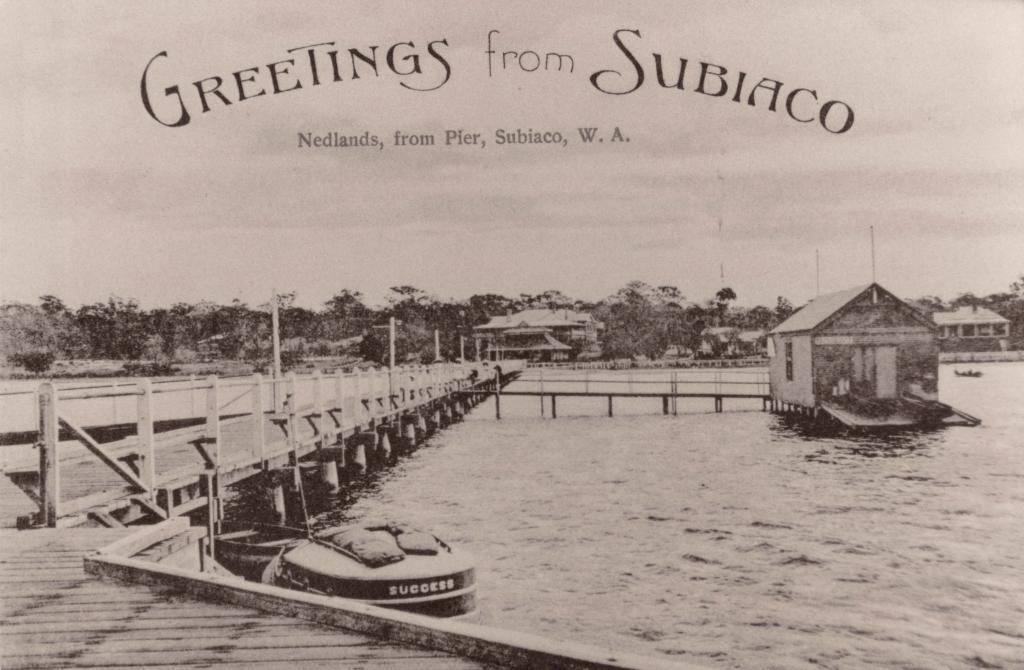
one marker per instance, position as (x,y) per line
(874,371)
(885,371)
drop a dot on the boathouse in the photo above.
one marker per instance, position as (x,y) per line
(859,349)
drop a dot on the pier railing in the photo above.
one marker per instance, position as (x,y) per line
(147,432)
(681,363)
(747,383)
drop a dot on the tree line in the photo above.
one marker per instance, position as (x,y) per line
(638,320)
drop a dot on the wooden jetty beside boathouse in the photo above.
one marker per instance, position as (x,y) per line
(861,357)
(716,385)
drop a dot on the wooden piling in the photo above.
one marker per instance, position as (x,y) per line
(497,395)
(554,406)
(280,509)
(609,405)
(329,473)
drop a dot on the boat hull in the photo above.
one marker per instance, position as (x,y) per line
(442,585)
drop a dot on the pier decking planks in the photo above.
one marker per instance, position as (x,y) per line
(56,616)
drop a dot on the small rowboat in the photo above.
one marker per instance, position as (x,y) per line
(383,564)
(967,373)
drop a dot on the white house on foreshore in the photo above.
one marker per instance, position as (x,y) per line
(537,334)
(972,328)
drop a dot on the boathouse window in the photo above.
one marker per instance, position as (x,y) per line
(789,361)
(999,329)
(984,329)
(967,330)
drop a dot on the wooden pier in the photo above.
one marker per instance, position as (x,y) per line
(166,462)
(55,615)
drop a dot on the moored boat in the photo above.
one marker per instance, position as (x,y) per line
(377,563)
(967,373)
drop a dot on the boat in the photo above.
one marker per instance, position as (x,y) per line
(967,373)
(376,563)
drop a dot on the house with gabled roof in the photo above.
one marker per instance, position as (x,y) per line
(537,334)
(972,328)
(863,355)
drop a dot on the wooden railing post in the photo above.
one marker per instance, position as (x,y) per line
(356,402)
(49,465)
(318,408)
(339,400)
(259,445)
(289,405)
(192,394)
(144,422)
(213,418)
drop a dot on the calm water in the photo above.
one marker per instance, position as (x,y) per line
(734,540)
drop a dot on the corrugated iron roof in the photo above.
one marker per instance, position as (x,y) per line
(967,315)
(550,344)
(819,309)
(538,317)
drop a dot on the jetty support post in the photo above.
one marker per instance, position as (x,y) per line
(675,393)
(144,431)
(49,465)
(541,379)
(497,395)
(664,404)
(609,405)
(329,470)
(554,406)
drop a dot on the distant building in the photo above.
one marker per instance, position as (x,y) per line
(972,328)
(538,334)
(732,342)
(753,342)
(859,345)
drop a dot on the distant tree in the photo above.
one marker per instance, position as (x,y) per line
(783,309)
(758,318)
(1017,287)
(34,361)
(965,300)
(638,322)
(114,329)
(346,304)
(723,297)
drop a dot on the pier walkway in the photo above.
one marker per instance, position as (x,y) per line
(165,460)
(57,616)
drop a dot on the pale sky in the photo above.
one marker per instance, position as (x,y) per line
(97,198)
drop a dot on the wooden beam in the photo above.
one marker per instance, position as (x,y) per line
(144,420)
(112,463)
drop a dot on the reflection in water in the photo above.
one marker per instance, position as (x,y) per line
(734,540)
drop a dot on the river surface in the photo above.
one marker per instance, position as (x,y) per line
(734,540)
